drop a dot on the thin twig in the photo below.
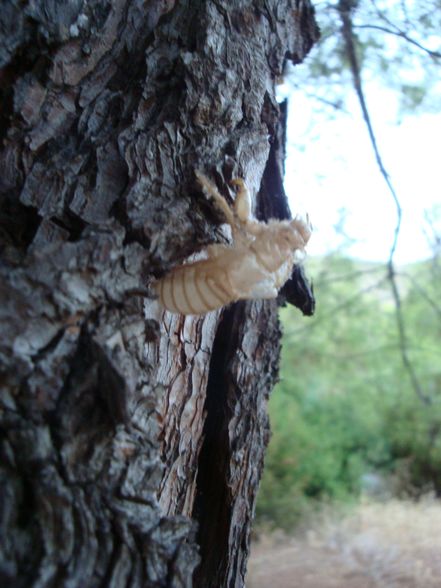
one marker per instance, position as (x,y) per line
(392,348)
(422,292)
(325,101)
(344,9)
(347,303)
(324,278)
(398,33)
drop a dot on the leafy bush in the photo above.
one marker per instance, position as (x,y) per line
(345,405)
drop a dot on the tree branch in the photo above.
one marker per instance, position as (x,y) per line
(423,293)
(399,33)
(345,8)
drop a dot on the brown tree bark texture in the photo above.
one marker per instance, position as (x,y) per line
(132,440)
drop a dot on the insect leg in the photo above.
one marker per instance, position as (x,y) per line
(242,211)
(242,204)
(212,192)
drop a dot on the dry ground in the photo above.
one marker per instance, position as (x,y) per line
(395,544)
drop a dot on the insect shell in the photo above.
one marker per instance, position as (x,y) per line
(256,264)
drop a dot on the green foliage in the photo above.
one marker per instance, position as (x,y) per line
(345,405)
(396,41)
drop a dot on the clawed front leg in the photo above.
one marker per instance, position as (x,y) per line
(242,204)
(242,209)
(212,192)
(239,217)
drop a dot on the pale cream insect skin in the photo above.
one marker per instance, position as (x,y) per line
(255,266)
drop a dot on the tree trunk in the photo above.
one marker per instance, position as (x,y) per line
(132,439)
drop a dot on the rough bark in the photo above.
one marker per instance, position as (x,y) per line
(132,440)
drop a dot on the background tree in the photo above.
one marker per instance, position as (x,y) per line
(366,404)
(131,438)
(349,421)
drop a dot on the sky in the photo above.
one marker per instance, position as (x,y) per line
(331,174)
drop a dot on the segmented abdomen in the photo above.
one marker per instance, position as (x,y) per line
(194,289)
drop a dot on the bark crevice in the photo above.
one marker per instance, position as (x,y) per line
(213,497)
